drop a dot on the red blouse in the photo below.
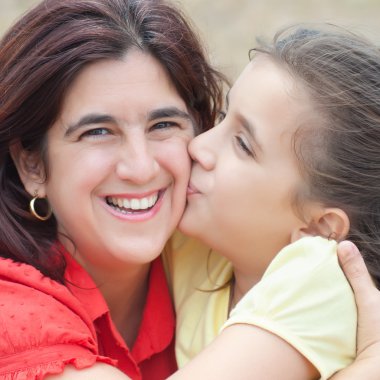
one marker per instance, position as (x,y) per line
(45,325)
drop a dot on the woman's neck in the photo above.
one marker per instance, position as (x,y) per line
(126,301)
(125,293)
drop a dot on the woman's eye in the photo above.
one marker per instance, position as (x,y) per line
(164,125)
(244,146)
(96,132)
(220,117)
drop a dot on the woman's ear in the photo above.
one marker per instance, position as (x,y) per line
(331,222)
(30,168)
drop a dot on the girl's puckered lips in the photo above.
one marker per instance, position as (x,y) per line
(191,189)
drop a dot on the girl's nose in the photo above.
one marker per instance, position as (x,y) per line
(202,150)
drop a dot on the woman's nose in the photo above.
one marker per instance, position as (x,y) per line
(137,162)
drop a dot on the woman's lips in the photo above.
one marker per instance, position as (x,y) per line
(139,208)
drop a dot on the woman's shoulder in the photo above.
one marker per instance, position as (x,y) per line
(40,320)
(29,298)
(18,272)
(20,281)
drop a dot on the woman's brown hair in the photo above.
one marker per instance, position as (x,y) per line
(39,58)
(339,150)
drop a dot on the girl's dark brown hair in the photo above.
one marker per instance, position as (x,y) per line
(39,58)
(339,150)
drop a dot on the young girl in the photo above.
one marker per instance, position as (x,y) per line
(293,168)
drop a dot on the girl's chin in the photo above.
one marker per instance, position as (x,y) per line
(189,229)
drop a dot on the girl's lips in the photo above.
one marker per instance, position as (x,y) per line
(191,189)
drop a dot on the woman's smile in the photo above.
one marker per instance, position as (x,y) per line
(135,207)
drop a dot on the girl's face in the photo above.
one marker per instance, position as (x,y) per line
(118,162)
(245,174)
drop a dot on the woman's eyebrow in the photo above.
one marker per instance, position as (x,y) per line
(169,112)
(95,118)
(92,118)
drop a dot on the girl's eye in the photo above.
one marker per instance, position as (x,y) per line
(244,146)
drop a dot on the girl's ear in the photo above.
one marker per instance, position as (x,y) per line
(30,168)
(331,222)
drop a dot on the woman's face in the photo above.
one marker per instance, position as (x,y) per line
(118,162)
(245,173)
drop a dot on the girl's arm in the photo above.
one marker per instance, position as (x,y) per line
(246,352)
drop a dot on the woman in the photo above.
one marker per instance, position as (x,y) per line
(97,98)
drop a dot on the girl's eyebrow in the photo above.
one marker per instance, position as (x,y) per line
(95,118)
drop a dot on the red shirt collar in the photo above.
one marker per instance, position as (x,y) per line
(158,322)
(84,289)
(157,327)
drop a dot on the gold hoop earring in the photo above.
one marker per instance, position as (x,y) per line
(35,213)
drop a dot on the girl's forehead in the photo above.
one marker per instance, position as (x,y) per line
(264,79)
(270,97)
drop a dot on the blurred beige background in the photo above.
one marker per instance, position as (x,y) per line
(229,27)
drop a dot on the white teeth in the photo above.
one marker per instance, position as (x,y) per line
(144,203)
(152,200)
(134,203)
